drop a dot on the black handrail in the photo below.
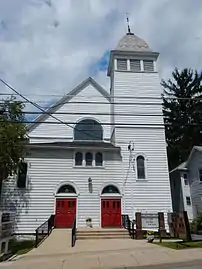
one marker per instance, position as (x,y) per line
(74,233)
(44,230)
(129,225)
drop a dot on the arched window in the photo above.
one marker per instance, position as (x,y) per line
(110,189)
(66,189)
(89,159)
(140,167)
(88,130)
(98,159)
(78,158)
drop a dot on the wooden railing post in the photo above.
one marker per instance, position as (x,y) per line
(133,230)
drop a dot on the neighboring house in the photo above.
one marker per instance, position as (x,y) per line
(103,161)
(186,184)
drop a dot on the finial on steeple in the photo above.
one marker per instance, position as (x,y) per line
(128,24)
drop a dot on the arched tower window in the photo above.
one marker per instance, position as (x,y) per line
(88,130)
(140,167)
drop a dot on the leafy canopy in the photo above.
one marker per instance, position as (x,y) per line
(12,136)
(182,110)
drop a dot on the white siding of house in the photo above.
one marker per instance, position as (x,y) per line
(152,194)
(186,193)
(195,184)
(61,132)
(47,170)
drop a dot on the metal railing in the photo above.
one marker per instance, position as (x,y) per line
(44,230)
(129,225)
(74,233)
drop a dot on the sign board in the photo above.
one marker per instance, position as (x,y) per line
(150,221)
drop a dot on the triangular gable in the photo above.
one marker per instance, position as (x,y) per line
(67,98)
(184,165)
(194,149)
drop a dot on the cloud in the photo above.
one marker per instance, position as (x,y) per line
(50,46)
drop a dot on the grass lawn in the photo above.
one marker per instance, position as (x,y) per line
(180,245)
(21,247)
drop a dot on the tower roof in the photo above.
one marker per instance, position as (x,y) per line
(131,42)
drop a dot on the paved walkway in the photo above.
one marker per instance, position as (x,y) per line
(55,253)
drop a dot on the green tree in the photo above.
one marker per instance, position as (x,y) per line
(182,110)
(12,136)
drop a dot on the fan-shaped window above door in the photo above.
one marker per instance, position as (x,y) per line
(88,130)
(110,189)
(66,189)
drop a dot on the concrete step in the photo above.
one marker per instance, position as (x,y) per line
(84,230)
(83,237)
(102,234)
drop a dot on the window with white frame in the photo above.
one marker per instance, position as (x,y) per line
(88,129)
(141,167)
(89,159)
(122,64)
(200,174)
(135,65)
(148,65)
(98,159)
(188,200)
(185,179)
(78,158)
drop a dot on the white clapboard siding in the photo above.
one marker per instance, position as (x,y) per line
(152,194)
(61,132)
(195,184)
(45,174)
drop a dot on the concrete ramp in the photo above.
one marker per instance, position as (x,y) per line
(58,242)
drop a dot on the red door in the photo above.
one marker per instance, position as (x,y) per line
(65,212)
(111,212)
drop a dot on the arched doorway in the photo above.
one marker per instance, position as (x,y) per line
(110,207)
(65,211)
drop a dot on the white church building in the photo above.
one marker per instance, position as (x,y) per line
(97,153)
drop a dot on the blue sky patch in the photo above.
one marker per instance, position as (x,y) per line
(101,64)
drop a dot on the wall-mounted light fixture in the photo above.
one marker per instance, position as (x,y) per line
(90,185)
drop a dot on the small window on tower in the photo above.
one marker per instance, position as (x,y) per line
(122,64)
(135,65)
(148,65)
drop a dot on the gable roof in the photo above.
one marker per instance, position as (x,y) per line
(67,98)
(183,166)
(194,149)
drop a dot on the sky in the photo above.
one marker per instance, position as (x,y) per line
(47,47)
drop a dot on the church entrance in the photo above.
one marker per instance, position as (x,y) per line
(110,207)
(65,211)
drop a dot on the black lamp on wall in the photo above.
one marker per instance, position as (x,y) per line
(90,185)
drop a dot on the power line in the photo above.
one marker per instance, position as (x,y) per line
(93,114)
(93,102)
(110,96)
(101,114)
(106,124)
(37,106)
